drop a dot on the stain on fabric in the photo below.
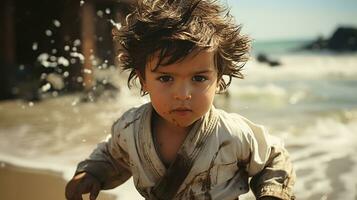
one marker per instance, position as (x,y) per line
(129,123)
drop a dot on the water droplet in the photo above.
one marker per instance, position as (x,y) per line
(75,102)
(100,13)
(42,58)
(48,32)
(73,61)
(66,48)
(34,46)
(54,51)
(76,42)
(74,48)
(46,87)
(87,71)
(31,104)
(84,140)
(63,61)
(81,2)
(21,67)
(107,11)
(79,79)
(43,76)
(65,74)
(56,23)
(53,58)
(54,93)
(77,55)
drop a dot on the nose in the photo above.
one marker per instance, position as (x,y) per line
(183,92)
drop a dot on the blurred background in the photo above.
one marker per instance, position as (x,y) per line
(61,89)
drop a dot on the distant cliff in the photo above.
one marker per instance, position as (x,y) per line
(344,39)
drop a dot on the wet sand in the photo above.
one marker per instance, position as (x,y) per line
(19,183)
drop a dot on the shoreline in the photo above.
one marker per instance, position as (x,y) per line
(18,182)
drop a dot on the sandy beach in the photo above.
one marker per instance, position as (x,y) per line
(19,183)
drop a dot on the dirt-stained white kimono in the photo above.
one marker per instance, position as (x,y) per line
(218,155)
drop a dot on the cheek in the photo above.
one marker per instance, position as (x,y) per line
(207,93)
(160,102)
(203,99)
(158,94)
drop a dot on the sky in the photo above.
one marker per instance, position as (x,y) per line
(293,19)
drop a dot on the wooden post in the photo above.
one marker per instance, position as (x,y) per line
(88,43)
(9,47)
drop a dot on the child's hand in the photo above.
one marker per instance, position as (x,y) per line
(82,183)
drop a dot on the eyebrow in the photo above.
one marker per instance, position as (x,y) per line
(197,72)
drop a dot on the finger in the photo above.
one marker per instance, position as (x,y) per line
(69,191)
(94,191)
(79,190)
(78,197)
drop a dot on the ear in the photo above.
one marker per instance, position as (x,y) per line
(141,79)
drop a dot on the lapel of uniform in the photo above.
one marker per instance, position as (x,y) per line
(145,146)
(169,183)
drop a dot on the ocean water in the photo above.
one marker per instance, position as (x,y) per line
(310,101)
(279,47)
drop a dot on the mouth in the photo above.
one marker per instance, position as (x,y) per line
(181,111)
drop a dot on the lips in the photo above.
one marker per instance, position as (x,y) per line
(181,111)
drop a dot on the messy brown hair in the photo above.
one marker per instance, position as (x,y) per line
(175,28)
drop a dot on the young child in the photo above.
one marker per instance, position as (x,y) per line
(179,146)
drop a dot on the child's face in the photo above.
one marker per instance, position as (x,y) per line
(182,92)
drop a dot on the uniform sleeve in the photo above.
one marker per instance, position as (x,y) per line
(109,162)
(268,163)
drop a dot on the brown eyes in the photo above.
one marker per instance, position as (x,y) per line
(167,78)
(199,78)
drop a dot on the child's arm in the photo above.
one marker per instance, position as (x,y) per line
(107,166)
(268,163)
(277,177)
